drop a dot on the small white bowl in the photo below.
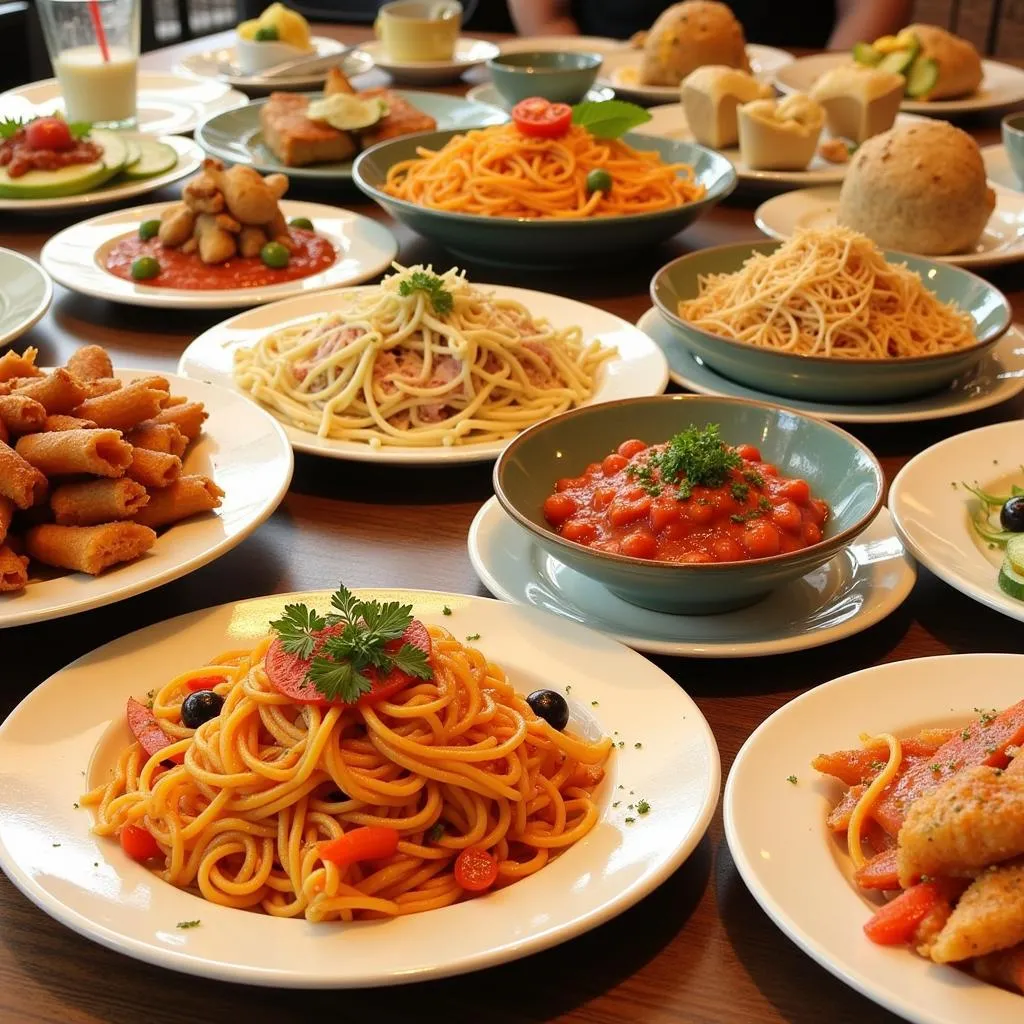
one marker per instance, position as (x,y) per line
(255,57)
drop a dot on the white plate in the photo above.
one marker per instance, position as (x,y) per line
(190,159)
(166,104)
(933,516)
(72,257)
(468,54)
(50,737)
(800,875)
(246,454)
(638,369)
(557,44)
(26,292)
(488,93)
(860,586)
(997,378)
(1001,86)
(1001,242)
(621,71)
(998,168)
(669,121)
(221,64)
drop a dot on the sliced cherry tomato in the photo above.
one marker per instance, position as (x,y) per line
(476,870)
(204,683)
(287,672)
(49,133)
(146,729)
(139,843)
(370,842)
(541,119)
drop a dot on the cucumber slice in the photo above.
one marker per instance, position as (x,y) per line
(896,62)
(865,53)
(921,77)
(155,158)
(1011,582)
(1015,553)
(134,153)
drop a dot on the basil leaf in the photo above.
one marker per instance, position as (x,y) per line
(610,118)
(79,129)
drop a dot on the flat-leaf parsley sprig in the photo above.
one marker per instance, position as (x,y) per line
(368,628)
(441,300)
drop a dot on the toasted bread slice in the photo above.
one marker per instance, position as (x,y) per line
(402,118)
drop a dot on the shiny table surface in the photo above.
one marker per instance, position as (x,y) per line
(700,949)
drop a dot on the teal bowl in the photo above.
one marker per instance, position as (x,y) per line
(839,469)
(544,243)
(818,378)
(561,77)
(1013,140)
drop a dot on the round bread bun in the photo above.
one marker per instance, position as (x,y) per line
(918,187)
(688,36)
(958,61)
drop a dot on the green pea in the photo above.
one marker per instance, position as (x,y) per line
(599,180)
(301,222)
(148,229)
(144,268)
(265,34)
(275,255)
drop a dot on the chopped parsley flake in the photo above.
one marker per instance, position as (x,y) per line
(593,703)
(629,821)
(55,845)
(642,807)
(965,734)
(936,767)
(985,716)
(472,637)
(637,746)
(877,765)
(740,491)
(616,804)
(791,779)
(436,831)
(187,924)
(446,610)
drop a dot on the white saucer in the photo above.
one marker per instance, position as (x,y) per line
(488,93)
(167,104)
(997,378)
(468,54)
(26,292)
(998,168)
(1001,242)
(859,587)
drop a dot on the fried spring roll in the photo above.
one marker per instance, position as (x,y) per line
(52,423)
(90,363)
(91,502)
(123,409)
(89,549)
(154,469)
(57,392)
(188,418)
(156,381)
(13,570)
(20,481)
(21,414)
(6,515)
(187,496)
(173,400)
(159,437)
(12,365)
(97,452)
(100,386)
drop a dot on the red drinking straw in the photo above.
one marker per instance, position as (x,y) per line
(97,24)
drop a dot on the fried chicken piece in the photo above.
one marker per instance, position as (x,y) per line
(989,917)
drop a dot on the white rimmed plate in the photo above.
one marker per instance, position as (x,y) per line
(166,104)
(73,258)
(190,159)
(860,586)
(621,71)
(793,866)
(93,888)
(997,378)
(246,454)
(26,292)
(468,54)
(998,168)
(638,369)
(1001,242)
(488,93)
(1002,85)
(933,516)
(221,64)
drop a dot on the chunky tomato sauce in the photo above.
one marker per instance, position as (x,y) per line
(18,157)
(626,505)
(186,270)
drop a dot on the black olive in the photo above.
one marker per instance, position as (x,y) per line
(200,707)
(551,707)
(1012,515)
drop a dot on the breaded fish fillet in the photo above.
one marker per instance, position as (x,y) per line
(989,916)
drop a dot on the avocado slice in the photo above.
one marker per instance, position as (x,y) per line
(921,78)
(865,53)
(72,180)
(897,62)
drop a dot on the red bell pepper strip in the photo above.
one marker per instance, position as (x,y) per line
(369,842)
(896,923)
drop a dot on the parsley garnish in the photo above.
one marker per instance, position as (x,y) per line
(638,746)
(642,807)
(187,924)
(986,716)
(965,734)
(791,779)
(699,455)
(629,821)
(936,767)
(368,629)
(740,491)
(10,126)
(753,478)
(446,610)
(472,637)
(441,300)
(436,831)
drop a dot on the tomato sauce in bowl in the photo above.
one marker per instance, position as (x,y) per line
(313,254)
(730,507)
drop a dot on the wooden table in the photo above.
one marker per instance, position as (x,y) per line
(699,949)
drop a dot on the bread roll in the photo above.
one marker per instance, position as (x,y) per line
(918,187)
(958,61)
(688,36)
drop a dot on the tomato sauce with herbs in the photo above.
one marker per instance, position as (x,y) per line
(731,506)
(178,269)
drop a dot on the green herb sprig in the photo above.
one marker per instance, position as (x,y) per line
(609,119)
(441,300)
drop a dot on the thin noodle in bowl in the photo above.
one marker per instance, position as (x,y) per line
(268,778)
(828,293)
(499,172)
(390,370)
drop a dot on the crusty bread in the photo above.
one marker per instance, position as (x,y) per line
(688,36)
(919,187)
(958,61)
(296,140)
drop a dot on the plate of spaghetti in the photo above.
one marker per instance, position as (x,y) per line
(873,818)
(827,315)
(305,791)
(424,367)
(552,185)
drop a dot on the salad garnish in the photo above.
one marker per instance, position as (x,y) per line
(694,457)
(441,300)
(10,126)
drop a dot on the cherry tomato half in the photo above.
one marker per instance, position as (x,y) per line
(476,869)
(541,119)
(48,133)
(139,843)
